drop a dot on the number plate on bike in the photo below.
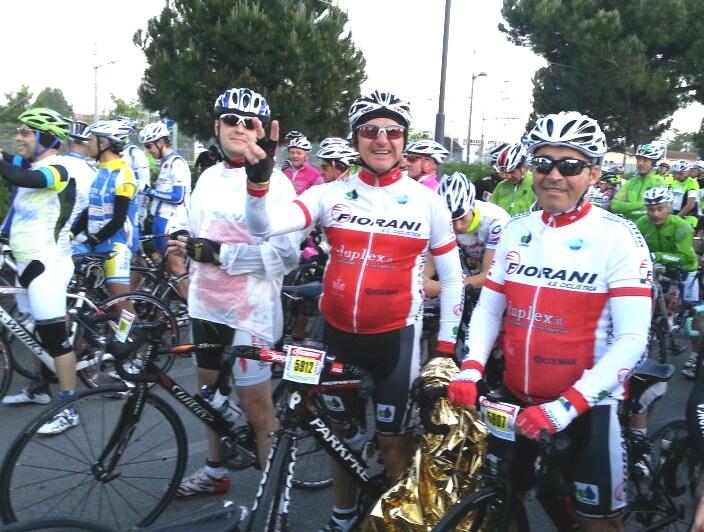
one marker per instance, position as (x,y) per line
(303,364)
(500,418)
(123,326)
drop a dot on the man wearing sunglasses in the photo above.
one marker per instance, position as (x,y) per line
(336,157)
(515,194)
(380,225)
(574,309)
(234,296)
(628,202)
(423,158)
(302,174)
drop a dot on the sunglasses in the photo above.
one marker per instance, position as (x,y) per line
(148,145)
(232,119)
(393,132)
(413,158)
(566,167)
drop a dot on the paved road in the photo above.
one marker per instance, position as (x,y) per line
(309,510)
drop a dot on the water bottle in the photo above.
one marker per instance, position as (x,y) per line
(221,403)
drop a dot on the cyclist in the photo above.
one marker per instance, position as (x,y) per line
(628,201)
(664,170)
(39,237)
(380,224)
(77,158)
(301,173)
(234,294)
(685,193)
(609,183)
(336,156)
(486,185)
(423,158)
(577,312)
(515,194)
(207,158)
(109,220)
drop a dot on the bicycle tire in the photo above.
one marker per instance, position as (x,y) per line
(56,525)
(148,308)
(487,507)
(6,366)
(46,476)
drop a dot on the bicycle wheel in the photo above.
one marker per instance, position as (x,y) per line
(6,366)
(484,509)
(56,525)
(47,476)
(147,308)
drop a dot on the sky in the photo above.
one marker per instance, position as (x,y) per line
(401,41)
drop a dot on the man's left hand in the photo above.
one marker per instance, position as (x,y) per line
(203,250)
(553,417)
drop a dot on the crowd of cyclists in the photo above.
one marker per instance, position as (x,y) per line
(561,249)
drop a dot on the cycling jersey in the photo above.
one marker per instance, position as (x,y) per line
(683,191)
(577,306)
(114,178)
(171,196)
(379,230)
(430,181)
(628,201)
(483,233)
(244,291)
(137,160)
(304,178)
(515,199)
(84,174)
(672,242)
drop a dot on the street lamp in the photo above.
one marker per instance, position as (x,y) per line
(471,102)
(95,87)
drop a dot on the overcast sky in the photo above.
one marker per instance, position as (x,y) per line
(401,41)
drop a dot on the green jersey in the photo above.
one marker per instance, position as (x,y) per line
(628,201)
(683,191)
(671,243)
(515,199)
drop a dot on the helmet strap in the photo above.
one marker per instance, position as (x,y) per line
(38,152)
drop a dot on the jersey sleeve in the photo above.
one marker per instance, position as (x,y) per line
(630,270)
(495,230)
(126,184)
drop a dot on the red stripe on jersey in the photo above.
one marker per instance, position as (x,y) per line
(473,364)
(444,249)
(305,210)
(493,285)
(629,291)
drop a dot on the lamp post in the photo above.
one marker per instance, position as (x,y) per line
(440,116)
(471,102)
(95,87)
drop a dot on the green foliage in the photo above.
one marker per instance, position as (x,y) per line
(698,139)
(133,109)
(295,52)
(54,99)
(16,104)
(682,141)
(473,171)
(621,63)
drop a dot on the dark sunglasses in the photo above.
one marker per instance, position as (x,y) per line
(231,119)
(148,145)
(370,131)
(413,158)
(566,167)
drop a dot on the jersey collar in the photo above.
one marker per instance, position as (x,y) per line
(566,218)
(113,164)
(237,163)
(382,180)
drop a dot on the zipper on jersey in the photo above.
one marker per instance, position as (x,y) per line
(363,269)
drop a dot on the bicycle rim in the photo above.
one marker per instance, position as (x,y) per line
(482,511)
(47,476)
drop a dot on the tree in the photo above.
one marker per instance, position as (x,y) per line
(16,104)
(616,61)
(297,53)
(54,99)
(682,141)
(133,109)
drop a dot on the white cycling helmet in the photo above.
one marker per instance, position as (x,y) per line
(494,153)
(117,132)
(428,148)
(332,140)
(681,165)
(651,151)
(337,151)
(570,129)
(379,104)
(293,135)
(511,157)
(458,192)
(243,101)
(78,131)
(656,195)
(301,143)
(153,132)
(697,164)
(131,122)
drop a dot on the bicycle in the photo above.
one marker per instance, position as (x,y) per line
(661,339)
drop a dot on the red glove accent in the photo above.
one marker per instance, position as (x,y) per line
(532,420)
(463,393)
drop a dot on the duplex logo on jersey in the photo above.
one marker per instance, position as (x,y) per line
(530,314)
(353,255)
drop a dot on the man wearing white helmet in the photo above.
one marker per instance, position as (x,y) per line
(423,158)
(301,173)
(515,194)
(336,156)
(628,201)
(574,309)
(381,225)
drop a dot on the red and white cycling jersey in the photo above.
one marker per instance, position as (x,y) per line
(379,231)
(483,233)
(575,289)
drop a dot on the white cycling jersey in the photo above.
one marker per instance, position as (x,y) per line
(84,174)
(137,160)
(174,176)
(483,233)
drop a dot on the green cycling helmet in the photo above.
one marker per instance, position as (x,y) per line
(611,179)
(46,120)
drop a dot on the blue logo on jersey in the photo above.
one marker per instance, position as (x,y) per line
(352,194)
(525,239)
(402,200)
(576,243)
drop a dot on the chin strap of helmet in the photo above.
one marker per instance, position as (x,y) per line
(37,144)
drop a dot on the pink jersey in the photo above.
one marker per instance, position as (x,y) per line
(430,181)
(304,178)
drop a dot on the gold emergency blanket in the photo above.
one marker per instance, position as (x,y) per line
(444,469)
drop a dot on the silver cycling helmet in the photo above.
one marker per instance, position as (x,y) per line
(114,131)
(656,195)
(337,151)
(652,151)
(428,148)
(570,129)
(511,157)
(301,143)
(458,193)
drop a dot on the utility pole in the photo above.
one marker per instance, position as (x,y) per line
(440,117)
(469,122)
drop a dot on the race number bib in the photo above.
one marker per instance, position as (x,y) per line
(500,418)
(124,325)
(303,364)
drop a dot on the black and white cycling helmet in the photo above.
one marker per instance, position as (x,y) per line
(656,195)
(458,193)
(511,157)
(77,131)
(428,148)
(115,131)
(301,143)
(153,132)
(697,164)
(245,102)
(339,151)
(681,165)
(570,129)
(293,135)
(376,105)
(332,140)
(494,153)
(651,151)
(131,122)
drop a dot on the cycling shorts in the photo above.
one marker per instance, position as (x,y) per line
(165,226)
(595,464)
(393,362)
(46,282)
(117,268)
(245,372)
